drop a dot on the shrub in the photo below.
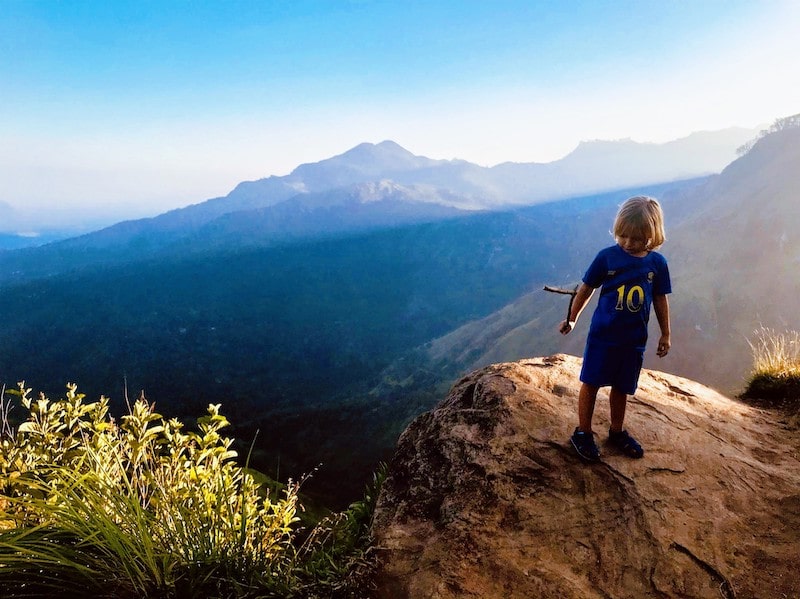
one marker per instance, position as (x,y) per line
(140,508)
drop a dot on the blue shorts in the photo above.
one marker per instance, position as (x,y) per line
(612,365)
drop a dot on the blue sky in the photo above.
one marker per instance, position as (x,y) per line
(134,108)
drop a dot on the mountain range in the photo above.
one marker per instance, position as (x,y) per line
(326,308)
(370,173)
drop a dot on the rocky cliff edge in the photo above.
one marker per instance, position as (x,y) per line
(485,497)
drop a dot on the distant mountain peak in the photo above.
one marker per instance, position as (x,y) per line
(364,162)
(385,150)
(388,145)
(591,147)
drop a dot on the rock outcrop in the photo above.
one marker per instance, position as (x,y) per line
(485,498)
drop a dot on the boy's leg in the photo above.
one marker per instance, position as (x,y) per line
(617,435)
(583,439)
(586,401)
(618,401)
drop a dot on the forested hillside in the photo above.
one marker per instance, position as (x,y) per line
(733,250)
(290,338)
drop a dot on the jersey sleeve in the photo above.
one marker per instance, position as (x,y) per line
(662,285)
(597,271)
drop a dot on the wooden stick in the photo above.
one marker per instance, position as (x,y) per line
(561,290)
(570,292)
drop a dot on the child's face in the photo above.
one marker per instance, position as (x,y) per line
(633,245)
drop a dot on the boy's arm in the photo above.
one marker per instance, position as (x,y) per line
(582,297)
(661,307)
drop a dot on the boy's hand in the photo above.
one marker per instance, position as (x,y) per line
(663,346)
(566,326)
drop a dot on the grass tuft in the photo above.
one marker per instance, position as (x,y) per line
(775,376)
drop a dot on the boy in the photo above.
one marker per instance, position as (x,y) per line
(633,276)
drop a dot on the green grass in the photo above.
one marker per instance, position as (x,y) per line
(142,509)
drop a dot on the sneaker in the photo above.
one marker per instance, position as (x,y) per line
(585,446)
(625,443)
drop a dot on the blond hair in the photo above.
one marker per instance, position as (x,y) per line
(641,216)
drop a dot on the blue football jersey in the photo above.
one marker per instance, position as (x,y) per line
(628,285)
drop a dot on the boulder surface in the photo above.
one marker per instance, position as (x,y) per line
(485,497)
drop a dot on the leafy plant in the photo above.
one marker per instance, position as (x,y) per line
(138,508)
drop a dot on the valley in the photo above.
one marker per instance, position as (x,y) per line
(323,343)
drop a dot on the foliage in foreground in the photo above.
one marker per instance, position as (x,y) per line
(775,377)
(140,508)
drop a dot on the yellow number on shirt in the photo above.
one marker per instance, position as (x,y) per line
(633,300)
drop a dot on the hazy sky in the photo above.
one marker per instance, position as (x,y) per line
(141,106)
